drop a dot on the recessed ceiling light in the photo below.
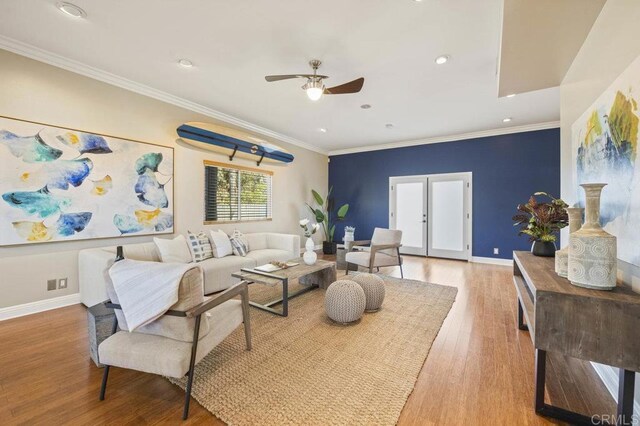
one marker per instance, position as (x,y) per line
(389,126)
(71,9)
(322,130)
(506,120)
(442,59)
(185,63)
(365,106)
(511,95)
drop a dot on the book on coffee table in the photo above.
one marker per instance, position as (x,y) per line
(272,268)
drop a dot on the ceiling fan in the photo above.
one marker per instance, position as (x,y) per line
(314,85)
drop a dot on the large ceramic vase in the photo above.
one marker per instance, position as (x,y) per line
(592,250)
(562,255)
(310,257)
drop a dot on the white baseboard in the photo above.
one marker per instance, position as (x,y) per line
(492,261)
(39,306)
(609,377)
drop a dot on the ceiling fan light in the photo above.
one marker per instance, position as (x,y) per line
(314,93)
(314,89)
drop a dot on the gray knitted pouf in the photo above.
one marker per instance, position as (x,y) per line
(345,301)
(373,287)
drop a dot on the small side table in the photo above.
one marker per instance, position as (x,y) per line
(100,320)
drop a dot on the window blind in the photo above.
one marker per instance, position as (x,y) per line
(236,194)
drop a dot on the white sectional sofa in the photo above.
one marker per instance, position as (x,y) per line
(264,248)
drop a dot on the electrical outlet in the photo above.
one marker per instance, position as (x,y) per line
(62,283)
(51,285)
(496,250)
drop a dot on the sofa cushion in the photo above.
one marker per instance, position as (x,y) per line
(264,256)
(173,250)
(217,271)
(257,241)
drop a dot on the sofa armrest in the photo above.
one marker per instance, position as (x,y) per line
(93,267)
(288,242)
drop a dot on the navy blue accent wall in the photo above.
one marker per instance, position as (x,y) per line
(507,169)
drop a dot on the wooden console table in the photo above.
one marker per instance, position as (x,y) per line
(592,325)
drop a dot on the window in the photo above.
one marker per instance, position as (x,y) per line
(236,193)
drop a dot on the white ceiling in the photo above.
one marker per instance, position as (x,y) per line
(233,44)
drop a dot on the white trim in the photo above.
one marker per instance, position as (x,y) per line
(450,138)
(609,376)
(59,61)
(39,306)
(492,260)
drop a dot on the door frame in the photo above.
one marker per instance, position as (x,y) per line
(469,201)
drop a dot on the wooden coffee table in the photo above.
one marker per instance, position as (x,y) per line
(319,275)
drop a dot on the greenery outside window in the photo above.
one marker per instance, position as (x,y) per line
(234,193)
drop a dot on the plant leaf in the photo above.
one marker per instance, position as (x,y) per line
(320,217)
(342,211)
(317,197)
(331,232)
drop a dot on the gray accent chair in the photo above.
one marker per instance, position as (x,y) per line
(384,250)
(174,343)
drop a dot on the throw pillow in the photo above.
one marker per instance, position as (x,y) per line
(243,238)
(173,251)
(239,246)
(200,246)
(221,244)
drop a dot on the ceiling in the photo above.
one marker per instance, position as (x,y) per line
(540,39)
(233,44)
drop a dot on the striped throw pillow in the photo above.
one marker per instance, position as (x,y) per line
(239,247)
(200,246)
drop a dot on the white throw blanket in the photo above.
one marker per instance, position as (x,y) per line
(146,290)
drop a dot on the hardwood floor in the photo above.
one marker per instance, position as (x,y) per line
(479,370)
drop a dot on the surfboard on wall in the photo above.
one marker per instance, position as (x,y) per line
(232,142)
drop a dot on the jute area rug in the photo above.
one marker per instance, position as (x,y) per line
(307,370)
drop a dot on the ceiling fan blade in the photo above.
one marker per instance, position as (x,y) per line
(350,87)
(288,76)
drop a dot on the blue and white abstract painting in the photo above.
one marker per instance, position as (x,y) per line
(605,148)
(59,184)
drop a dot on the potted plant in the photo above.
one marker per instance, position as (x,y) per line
(541,222)
(323,214)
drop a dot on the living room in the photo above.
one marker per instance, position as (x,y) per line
(417,235)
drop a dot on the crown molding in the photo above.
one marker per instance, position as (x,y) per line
(450,138)
(59,61)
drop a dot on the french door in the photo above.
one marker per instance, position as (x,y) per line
(408,196)
(434,214)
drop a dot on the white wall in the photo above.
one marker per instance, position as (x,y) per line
(35,91)
(611,46)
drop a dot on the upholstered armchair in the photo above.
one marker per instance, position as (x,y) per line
(174,343)
(384,250)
